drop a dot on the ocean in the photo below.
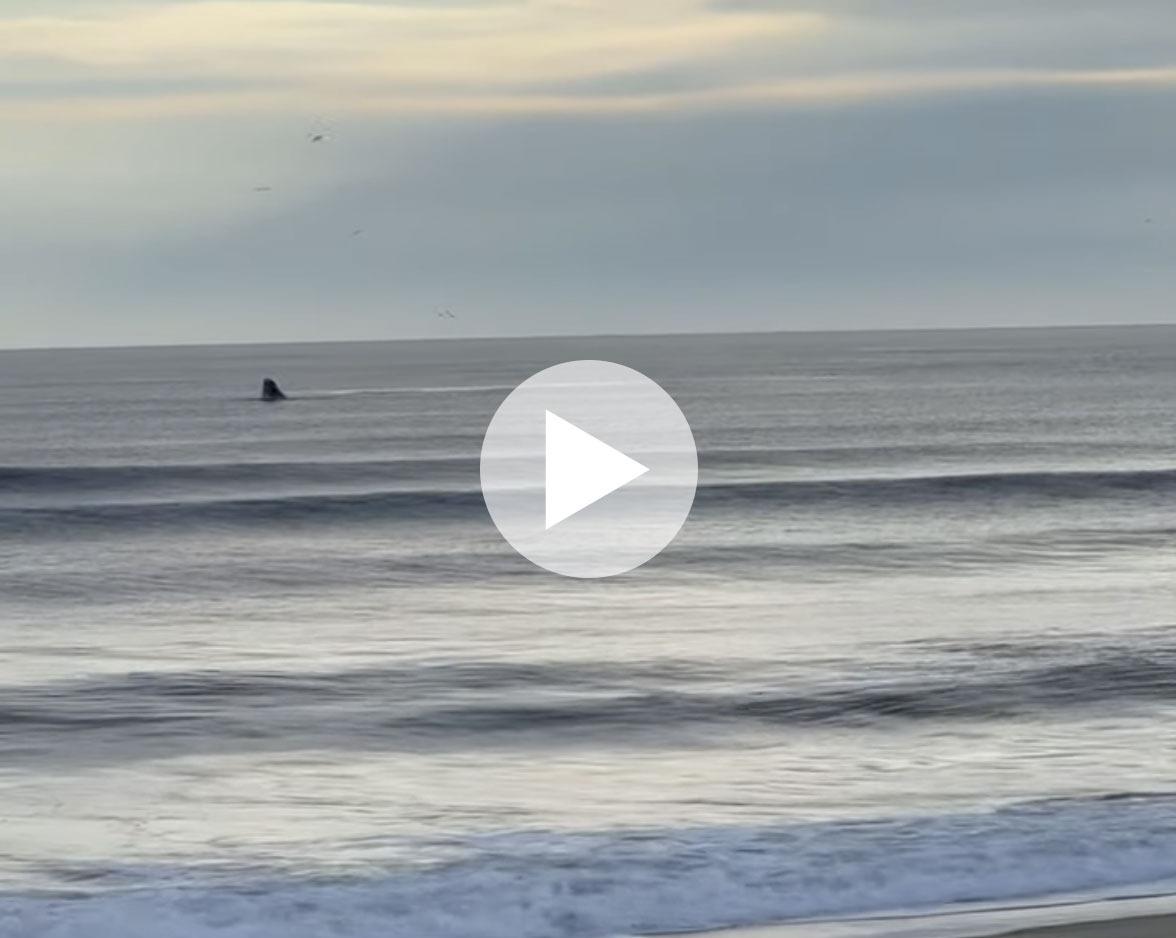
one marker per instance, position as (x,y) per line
(269,670)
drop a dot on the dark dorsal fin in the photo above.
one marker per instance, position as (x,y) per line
(270,391)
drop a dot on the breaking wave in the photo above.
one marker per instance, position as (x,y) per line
(600,884)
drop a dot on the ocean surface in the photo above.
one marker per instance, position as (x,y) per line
(269,670)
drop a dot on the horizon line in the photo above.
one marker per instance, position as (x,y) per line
(1055,327)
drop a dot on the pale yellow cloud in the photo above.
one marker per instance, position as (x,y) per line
(527,56)
(308,42)
(835,90)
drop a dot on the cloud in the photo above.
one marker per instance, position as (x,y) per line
(549,56)
(390,53)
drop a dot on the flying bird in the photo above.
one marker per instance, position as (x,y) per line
(320,130)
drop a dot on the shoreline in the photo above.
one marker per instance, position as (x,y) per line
(1144,926)
(1147,915)
(1136,926)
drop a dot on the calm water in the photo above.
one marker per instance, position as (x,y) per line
(268,670)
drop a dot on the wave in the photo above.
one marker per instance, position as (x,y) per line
(1038,548)
(470,705)
(67,478)
(459,496)
(973,488)
(245,571)
(72,480)
(65,487)
(357,508)
(597,884)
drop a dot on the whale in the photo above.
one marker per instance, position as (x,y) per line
(270,391)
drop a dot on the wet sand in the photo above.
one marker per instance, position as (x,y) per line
(1130,926)
(1151,926)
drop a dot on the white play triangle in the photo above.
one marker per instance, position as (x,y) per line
(581,469)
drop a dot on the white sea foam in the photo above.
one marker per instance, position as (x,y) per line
(639,882)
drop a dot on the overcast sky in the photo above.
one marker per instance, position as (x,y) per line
(581,166)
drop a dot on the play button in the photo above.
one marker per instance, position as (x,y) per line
(589,469)
(581,470)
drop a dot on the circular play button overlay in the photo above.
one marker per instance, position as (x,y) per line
(589,469)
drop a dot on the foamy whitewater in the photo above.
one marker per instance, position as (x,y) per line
(268,670)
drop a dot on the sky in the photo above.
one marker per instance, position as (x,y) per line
(580,166)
